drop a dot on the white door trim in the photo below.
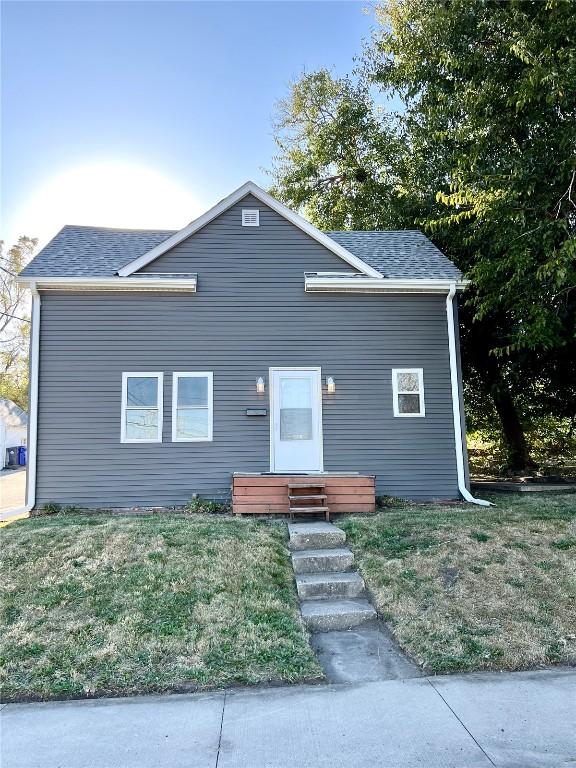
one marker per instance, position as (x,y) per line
(316,369)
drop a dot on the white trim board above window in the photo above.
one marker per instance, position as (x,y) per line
(142,407)
(192,407)
(408,392)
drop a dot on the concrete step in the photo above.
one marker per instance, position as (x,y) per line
(322,560)
(329,615)
(322,586)
(315,536)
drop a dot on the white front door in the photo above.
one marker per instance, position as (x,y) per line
(296,420)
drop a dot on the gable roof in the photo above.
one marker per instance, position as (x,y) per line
(11,414)
(249,188)
(79,251)
(101,252)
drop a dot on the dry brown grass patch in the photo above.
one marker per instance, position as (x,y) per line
(106,605)
(472,588)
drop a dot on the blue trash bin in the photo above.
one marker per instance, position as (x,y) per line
(22,455)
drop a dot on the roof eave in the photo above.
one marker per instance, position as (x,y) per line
(249,188)
(336,284)
(38,282)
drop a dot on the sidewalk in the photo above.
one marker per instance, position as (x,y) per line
(12,491)
(509,720)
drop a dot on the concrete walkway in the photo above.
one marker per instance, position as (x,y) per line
(12,491)
(512,720)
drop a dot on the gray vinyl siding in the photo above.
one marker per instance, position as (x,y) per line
(250,313)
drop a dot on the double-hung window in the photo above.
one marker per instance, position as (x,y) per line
(192,406)
(408,391)
(142,407)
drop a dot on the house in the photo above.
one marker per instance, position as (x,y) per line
(249,344)
(13,428)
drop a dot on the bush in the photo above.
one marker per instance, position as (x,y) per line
(552,445)
(53,508)
(198,505)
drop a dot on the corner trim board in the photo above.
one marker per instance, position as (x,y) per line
(33,403)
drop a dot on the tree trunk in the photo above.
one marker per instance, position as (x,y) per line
(519,459)
(478,340)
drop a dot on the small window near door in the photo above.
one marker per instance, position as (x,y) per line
(141,408)
(408,391)
(192,407)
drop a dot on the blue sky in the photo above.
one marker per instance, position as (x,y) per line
(185,90)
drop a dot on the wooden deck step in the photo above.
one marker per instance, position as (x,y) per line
(255,494)
(308,509)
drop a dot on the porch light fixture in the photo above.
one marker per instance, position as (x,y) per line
(260,385)
(330,385)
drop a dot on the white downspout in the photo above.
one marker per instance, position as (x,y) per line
(33,401)
(458,437)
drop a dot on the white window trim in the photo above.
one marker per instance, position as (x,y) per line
(176,376)
(159,376)
(420,373)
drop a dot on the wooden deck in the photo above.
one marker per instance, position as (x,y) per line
(268,494)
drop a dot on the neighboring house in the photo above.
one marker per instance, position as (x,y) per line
(13,427)
(249,341)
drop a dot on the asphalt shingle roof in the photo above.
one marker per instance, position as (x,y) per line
(79,251)
(92,251)
(399,255)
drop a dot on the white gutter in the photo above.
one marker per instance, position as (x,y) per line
(361,284)
(111,283)
(458,436)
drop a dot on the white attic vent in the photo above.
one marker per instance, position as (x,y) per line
(250,217)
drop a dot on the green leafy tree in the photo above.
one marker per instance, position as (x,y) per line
(496,82)
(482,157)
(14,321)
(339,155)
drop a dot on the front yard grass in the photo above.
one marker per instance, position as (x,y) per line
(467,587)
(102,605)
